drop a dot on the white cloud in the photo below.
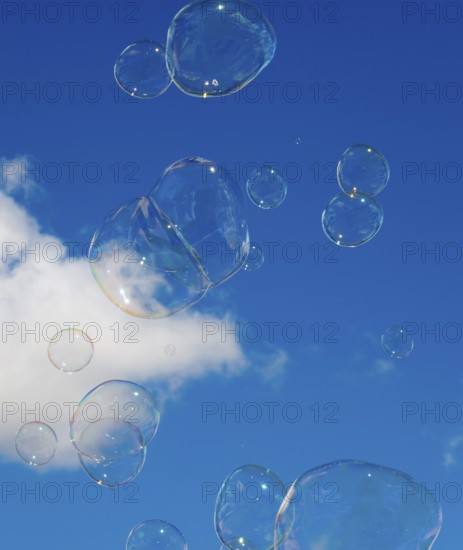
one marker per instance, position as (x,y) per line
(383,366)
(18,174)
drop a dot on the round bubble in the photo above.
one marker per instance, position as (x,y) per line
(206,207)
(112,473)
(362,169)
(397,343)
(216,47)
(246,507)
(115,405)
(351,504)
(70,350)
(298,141)
(255,258)
(141,70)
(143,265)
(266,187)
(170,350)
(155,534)
(352,220)
(36,443)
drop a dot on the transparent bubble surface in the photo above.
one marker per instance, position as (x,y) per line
(110,406)
(362,169)
(246,507)
(298,141)
(170,350)
(141,70)
(112,473)
(206,206)
(143,265)
(397,343)
(36,443)
(216,47)
(352,505)
(238,544)
(266,187)
(155,534)
(255,258)
(352,220)
(70,350)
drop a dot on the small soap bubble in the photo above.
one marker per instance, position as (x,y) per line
(155,534)
(266,187)
(36,443)
(255,258)
(70,350)
(170,350)
(397,343)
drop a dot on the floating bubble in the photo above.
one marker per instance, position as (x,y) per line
(141,70)
(352,220)
(238,544)
(116,406)
(170,350)
(215,48)
(206,207)
(143,265)
(266,187)
(298,141)
(155,534)
(396,342)
(246,508)
(36,443)
(255,258)
(351,504)
(70,350)
(362,169)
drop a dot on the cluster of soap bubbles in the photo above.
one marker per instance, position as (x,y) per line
(396,342)
(341,505)
(214,48)
(354,217)
(111,428)
(70,350)
(155,534)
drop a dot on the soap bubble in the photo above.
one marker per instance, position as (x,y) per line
(155,534)
(70,350)
(351,504)
(215,48)
(143,265)
(266,187)
(396,342)
(170,350)
(246,508)
(298,141)
(362,169)
(238,544)
(141,70)
(112,473)
(352,220)
(206,206)
(36,443)
(255,258)
(120,406)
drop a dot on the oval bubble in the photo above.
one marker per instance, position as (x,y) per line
(206,206)
(362,169)
(266,187)
(70,350)
(396,342)
(351,504)
(143,265)
(215,48)
(247,505)
(352,220)
(36,443)
(254,259)
(141,70)
(155,534)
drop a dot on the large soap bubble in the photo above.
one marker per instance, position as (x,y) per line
(349,505)
(114,408)
(246,508)
(266,187)
(141,70)
(70,350)
(36,443)
(396,342)
(352,220)
(216,47)
(155,534)
(143,265)
(206,206)
(362,169)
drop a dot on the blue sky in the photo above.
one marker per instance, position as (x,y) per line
(359,64)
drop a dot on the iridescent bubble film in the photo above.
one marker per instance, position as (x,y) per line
(352,220)
(246,507)
(70,350)
(362,169)
(396,342)
(352,505)
(266,187)
(36,443)
(156,534)
(216,47)
(141,70)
